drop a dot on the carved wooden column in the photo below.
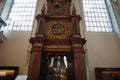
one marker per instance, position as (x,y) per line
(36,51)
(75,25)
(68,8)
(74,29)
(78,51)
(78,27)
(78,64)
(40,25)
(49,7)
(35,65)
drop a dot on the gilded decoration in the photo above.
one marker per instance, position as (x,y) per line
(57,30)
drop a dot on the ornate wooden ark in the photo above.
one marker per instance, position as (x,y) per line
(57,47)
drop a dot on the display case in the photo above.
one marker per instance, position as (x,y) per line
(107,73)
(8,72)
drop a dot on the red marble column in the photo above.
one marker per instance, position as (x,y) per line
(78,64)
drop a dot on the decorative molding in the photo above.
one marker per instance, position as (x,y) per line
(77,45)
(39,35)
(38,44)
(58,46)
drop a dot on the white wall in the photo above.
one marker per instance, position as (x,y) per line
(103,51)
(13,52)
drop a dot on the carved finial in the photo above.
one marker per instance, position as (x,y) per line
(43,10)
(73,10)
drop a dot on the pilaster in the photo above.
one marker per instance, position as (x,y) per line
(35,61)
(78,65)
